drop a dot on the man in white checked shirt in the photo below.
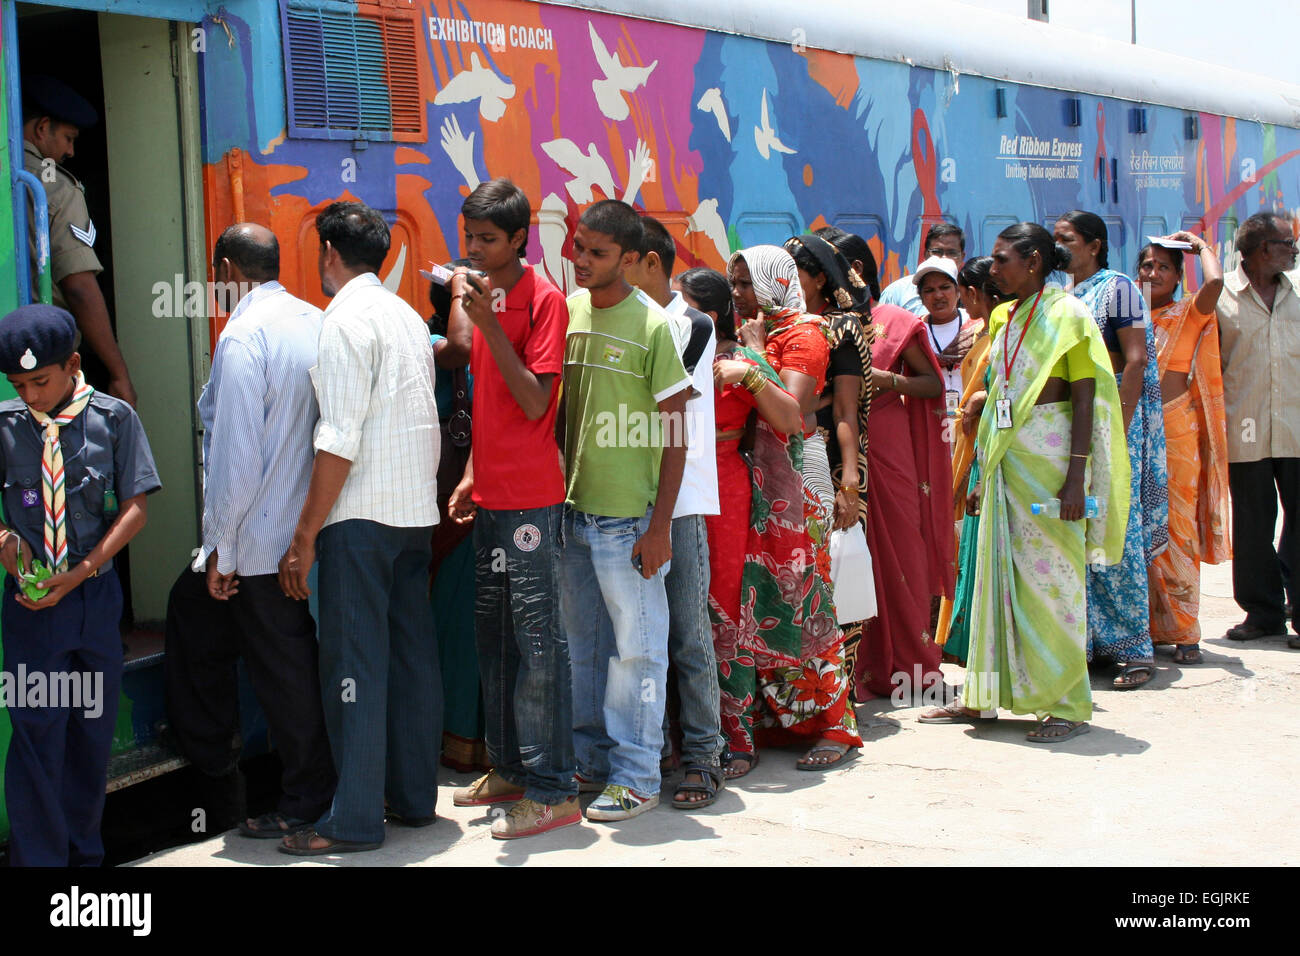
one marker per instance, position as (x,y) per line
(369,513)
(258,411)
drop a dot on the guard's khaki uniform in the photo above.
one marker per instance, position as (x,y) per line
(72,234)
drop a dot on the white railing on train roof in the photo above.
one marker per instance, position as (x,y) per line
(968,40)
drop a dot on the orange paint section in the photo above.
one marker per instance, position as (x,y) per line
(807,174)
(836,72)
(405,154)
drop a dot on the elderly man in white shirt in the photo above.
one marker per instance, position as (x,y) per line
(370,510)
(258,412)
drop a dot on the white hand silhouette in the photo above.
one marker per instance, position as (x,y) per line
(460,150)
(639,168)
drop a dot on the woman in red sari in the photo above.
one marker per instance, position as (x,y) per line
(788,612)
(909,510)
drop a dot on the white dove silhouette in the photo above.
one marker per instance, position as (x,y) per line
(707,221)
(765,137)
(393,281)
(588,169)
(619,79)
(711,102)
(478,83)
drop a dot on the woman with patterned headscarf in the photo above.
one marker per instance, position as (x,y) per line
(787,670)
(834,291)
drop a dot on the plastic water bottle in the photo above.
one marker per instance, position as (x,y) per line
(1052,507)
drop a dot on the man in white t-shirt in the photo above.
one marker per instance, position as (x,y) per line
(690,636)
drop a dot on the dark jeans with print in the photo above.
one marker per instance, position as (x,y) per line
(523,655)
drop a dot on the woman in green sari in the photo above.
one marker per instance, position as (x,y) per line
(1051,429)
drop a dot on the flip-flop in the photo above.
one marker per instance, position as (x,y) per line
(1182,652)
(849,753)
(953,713)
(1080,728)
(299,844)
(272,826)
(1119,683)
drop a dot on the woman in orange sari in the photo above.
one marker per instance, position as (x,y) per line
(1191,385)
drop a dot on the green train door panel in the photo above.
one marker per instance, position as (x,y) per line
(148,180)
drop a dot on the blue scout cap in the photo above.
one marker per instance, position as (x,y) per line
(33,336)
(59,100)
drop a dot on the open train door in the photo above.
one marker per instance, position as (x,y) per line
(141,167)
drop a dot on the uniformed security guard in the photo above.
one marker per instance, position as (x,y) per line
(62,652)
(53,116)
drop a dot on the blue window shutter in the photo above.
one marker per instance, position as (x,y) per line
(352,75)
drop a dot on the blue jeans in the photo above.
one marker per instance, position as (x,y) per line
(380,683)
(523,656)
(690,643)
(617,625)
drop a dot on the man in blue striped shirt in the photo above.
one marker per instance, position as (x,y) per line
(258,412)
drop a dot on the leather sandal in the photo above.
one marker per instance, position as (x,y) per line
(1124,680)
(712,781)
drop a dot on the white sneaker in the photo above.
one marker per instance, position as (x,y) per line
(620,803)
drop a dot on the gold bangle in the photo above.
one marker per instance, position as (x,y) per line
(1076,455)
(849,492)
(754,381)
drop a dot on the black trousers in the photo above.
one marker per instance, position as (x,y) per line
(1260,573)
(276,637)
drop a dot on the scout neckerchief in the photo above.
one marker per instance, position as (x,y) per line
(53,489)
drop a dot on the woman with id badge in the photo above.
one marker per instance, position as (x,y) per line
(1051,451)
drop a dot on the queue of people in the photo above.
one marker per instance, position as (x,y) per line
(646,484)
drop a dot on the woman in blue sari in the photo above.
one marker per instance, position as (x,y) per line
(1118,595)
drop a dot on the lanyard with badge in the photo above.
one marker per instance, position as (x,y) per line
(951,397)
(1003,405)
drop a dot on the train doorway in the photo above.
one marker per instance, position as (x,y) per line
(141,169)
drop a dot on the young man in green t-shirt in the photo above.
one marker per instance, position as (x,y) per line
(623,468)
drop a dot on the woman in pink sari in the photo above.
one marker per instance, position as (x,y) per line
(909,509)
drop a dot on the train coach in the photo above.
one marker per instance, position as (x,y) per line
(732,122)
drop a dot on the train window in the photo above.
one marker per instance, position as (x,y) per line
(989,229)
(759,228)
(1120,241)
(1151,226)
(352,74)
(1227,229)
(679,227)
(869,227)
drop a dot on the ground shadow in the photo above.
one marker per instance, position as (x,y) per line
(1097,742)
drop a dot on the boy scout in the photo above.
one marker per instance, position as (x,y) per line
(76,468)
(53,116)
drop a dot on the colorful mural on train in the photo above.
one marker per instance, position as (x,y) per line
(730,139)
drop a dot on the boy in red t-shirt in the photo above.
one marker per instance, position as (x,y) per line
(513,490)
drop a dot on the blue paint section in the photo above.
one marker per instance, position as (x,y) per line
(242,79)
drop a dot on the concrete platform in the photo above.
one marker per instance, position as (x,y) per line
(1196,768)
